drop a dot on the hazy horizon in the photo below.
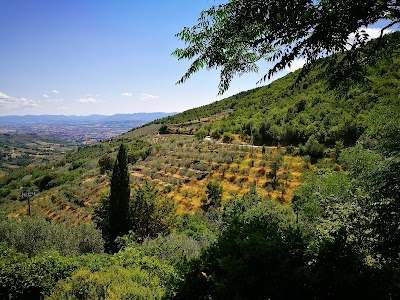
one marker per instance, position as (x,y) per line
(93,114)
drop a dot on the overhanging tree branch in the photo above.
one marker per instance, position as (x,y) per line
(235,35)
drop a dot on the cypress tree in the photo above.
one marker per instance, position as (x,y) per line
(119,199)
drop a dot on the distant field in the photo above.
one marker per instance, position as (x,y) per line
(22,150)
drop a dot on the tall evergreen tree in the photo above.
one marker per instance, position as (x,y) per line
(119,199)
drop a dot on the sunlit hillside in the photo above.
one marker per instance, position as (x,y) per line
(179,165)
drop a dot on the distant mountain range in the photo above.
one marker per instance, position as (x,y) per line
(145,117)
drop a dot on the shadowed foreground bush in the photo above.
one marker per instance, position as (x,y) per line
(24,277)
(35,235)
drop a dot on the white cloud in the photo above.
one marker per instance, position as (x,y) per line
(373,33)
(63,108)
(56,92)
(295,64)
(10,103)
(145,97)
(46,96)
(55,100)
(4,96)
(126,94)
(87,100)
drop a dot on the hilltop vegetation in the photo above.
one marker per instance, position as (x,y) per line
(282,114)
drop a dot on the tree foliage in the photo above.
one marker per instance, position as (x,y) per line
(150,213)
(275,164)
(235,35)
(112,215)
(263,254)
(106,163)
(214,195)
(114,282)
(24,277)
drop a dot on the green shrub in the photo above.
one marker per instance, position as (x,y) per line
(33,236)
(216,133)
(201,133)
(290,149)
(113,283)
(164,129)
(46,182)
(76,164)
(227,137)
(106,163)
(24,277)
(312,148)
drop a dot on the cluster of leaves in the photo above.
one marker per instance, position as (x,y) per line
(214,195)
(129,274)
(24,277)
(237,34)
(138,150)
(263,253)
(114,282)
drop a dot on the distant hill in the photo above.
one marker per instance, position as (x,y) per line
(145,117)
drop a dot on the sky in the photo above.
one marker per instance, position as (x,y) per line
(82,57)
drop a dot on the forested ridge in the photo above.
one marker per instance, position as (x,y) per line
(288,114)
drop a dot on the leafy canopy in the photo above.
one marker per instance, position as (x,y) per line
(235,35)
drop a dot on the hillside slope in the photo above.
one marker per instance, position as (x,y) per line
(279,114)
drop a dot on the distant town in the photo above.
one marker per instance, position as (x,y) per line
(82,130)
(81,133)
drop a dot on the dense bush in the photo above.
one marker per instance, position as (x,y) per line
(264,254)
(33,236)
(23,277)
(106,163)
(163,129)
(46,182)
(112,283)
(201,133)
(227,137)
(312,148)
(150,213)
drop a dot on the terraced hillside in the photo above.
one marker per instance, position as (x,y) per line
(180,166)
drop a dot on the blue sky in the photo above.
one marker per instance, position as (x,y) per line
(101,56)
